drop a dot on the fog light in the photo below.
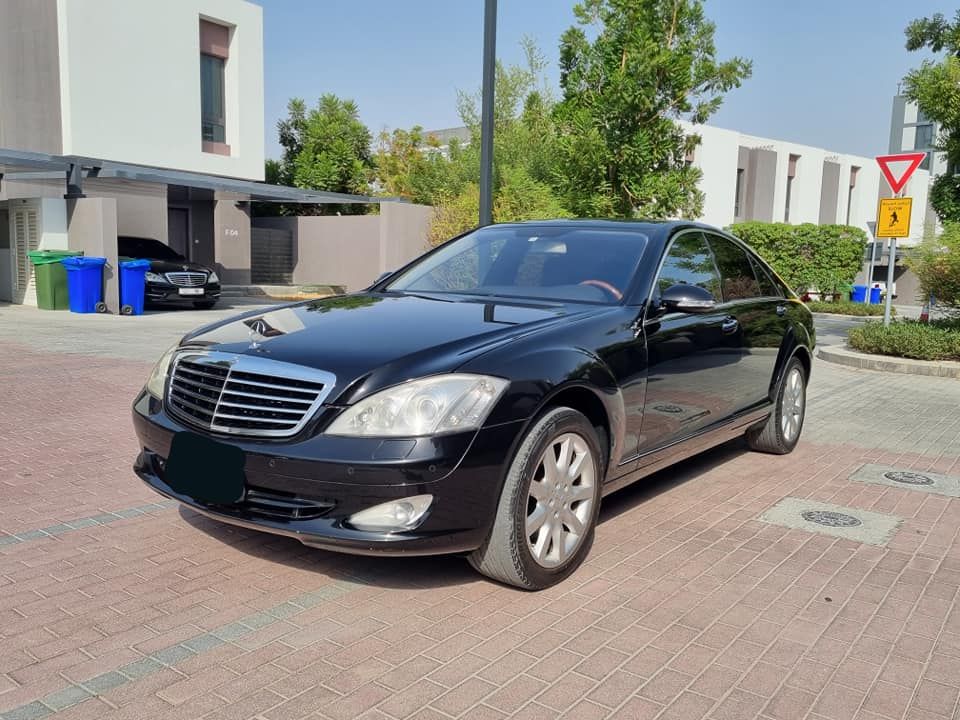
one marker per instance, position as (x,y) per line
(402,514)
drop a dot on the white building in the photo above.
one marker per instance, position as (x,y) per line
(752,178)
(910,130)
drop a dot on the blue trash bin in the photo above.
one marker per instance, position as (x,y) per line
(133,286)
(859,293)
(875,296)
(85,283)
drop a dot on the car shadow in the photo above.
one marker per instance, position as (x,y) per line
(438,570)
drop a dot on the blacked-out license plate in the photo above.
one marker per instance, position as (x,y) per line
(205,469)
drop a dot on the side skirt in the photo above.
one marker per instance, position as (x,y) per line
(688,447)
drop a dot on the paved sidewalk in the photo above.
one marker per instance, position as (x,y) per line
(115,604)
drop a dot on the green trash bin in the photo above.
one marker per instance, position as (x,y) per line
(51,278)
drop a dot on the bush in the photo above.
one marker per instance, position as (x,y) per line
(823,258)
(937,265)
(846,307)
(939,340)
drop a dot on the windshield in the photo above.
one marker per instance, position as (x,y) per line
(574,264)
(146,248)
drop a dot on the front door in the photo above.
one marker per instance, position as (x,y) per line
(690,355)
(178,230)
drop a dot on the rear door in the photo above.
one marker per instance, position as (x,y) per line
(751,301)
(689,354)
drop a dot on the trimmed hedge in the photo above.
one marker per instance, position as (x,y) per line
(846,307)
(938,340)
(824,258)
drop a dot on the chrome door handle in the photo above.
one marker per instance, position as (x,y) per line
(730,325)
(781,310)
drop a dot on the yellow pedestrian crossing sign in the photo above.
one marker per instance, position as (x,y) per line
(893,218)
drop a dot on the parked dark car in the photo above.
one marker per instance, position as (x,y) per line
(172,278)
(484,398)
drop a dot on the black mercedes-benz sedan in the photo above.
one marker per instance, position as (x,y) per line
(484,398)
(172,278)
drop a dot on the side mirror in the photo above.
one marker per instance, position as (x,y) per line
(688,299)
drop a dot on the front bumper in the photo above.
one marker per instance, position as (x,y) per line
(166,292)
(307,487)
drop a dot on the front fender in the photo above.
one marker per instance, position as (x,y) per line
(540,375)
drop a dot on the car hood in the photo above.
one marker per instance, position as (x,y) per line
(165,266)
(370,341)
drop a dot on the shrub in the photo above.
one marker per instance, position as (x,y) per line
(937,265)
(846,307)
(938,340)
(824,258)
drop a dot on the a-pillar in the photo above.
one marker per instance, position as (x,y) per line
(92,228)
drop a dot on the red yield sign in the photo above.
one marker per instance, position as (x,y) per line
(897,169)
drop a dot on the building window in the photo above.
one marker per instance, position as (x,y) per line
(853,183)
(214,124)
(214,50)
(923,137)
(791,174)
(738,193)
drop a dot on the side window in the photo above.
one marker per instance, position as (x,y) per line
(736,271)
(689,262)
(768,288)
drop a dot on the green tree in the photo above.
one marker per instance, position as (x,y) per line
(411,165)
(937,265)
(935,88)
(629,72)
(325,148)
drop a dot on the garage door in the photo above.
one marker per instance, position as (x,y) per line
(271,256)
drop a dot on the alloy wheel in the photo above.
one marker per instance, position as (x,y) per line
(560,501)
(792,406)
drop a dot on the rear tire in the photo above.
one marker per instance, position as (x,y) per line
(549,504)
(781,432)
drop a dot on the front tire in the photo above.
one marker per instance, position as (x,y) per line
(549,504)
(781,432)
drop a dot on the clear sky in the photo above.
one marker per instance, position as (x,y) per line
(824,71)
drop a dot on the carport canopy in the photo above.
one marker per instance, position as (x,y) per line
(19,165)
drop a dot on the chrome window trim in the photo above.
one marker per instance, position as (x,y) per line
(252,364)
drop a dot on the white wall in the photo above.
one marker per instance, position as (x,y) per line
(130,83)
(717,157)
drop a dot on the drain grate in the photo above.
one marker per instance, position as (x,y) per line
(830,518)
(908,478)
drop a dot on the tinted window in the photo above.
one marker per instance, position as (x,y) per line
(768,287)
(146,248)
(736,271)
(572,262)
(689,262)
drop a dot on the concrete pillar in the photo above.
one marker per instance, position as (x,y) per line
(231,238)
(92,228)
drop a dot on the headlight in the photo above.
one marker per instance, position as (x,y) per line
(158,377)
(154,277)
(431,406)
(213,278)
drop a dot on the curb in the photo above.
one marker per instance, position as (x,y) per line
(830,316)
(885,363)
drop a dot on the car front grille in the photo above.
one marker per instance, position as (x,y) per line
(244,395)
(187,279)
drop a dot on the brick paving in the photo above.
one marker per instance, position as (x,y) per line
(115,605)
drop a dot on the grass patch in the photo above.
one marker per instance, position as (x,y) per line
(938,340)
(846,307)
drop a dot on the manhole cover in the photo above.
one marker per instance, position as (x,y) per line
(672,409)
(909,478)
(830,518)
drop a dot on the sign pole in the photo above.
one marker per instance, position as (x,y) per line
(891,262)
